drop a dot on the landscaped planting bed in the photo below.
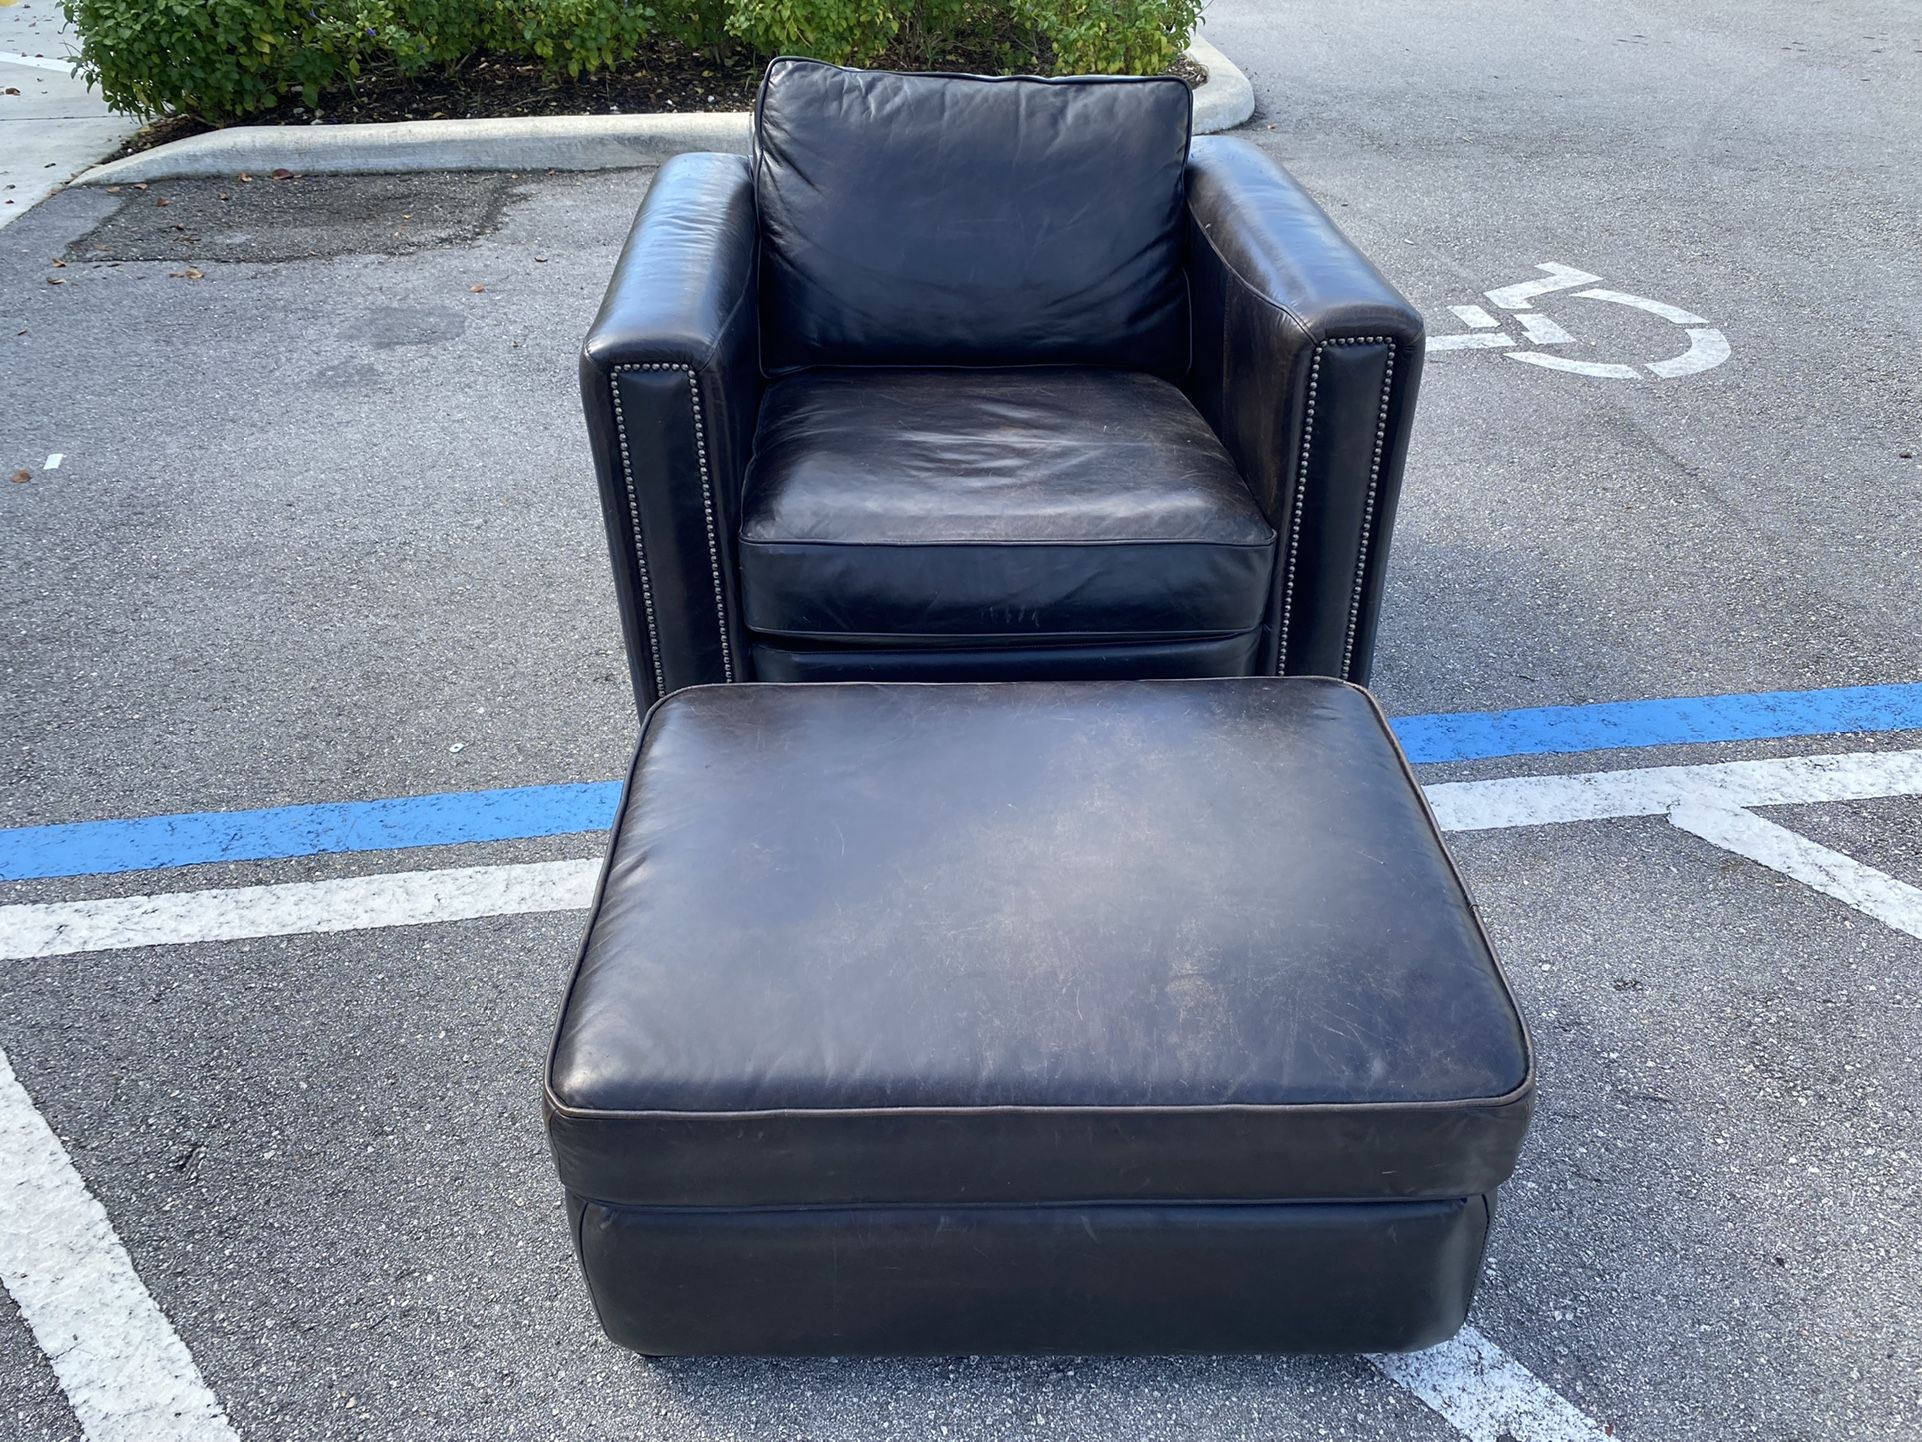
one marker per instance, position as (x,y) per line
(194,64)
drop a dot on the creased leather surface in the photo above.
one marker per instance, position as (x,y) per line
(957,220)
(1302,1277)
(1028,503)
(1112,940)
(1290,320)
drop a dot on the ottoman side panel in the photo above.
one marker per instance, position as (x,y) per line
(1077,1280)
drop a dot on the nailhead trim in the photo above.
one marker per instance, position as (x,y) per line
(1294,516)
(707,507)
(1368,511)
(1301,486)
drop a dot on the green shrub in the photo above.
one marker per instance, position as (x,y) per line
(839,30)
(934,32)
(441,32)
(221,58)
(225,59)
(568,36)
(697,24)
(1113,37)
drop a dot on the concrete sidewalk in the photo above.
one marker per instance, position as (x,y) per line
(51,126)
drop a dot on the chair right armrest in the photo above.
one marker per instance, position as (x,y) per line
(671,384)
(1305,363)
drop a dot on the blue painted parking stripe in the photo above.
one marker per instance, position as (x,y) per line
(1670,721)
(277,833)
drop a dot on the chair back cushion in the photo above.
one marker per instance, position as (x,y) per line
(959,220)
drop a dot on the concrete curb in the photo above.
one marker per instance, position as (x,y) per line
(551,142)
(1226,99)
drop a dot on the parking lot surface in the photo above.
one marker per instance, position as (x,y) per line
(323,529)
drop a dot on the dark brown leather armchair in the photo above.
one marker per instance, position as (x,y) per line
(967,378)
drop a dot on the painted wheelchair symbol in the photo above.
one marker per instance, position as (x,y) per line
(1707,346)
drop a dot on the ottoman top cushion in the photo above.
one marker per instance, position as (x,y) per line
(1029,941)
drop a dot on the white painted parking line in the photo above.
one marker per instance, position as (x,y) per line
(126,1373)
(410,898)
(232,913)
(1707,348)
(1559,277)
(1471,340)
(1541,330)
(1601,370)
(1658,790)
(1474,317)
(1477,1387)
(1642,302)
(1486,1395)
(1871,892)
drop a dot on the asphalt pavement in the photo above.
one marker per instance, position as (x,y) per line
(324,528)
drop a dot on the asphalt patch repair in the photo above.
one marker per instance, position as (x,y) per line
(286,217)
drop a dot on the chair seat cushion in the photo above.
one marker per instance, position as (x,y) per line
(1042,504)
(1099,941)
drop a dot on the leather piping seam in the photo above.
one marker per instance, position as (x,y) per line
(1368,513)
(1041,640)
(1522,1095)
(1169,375)
(1455,1201)
(1064,82)
(707,508)
(1011,543)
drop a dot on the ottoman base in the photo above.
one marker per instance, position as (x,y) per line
(1063,1279)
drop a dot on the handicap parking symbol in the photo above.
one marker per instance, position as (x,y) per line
(1707,346)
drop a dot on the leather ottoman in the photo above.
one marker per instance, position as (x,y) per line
(1052,1017)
